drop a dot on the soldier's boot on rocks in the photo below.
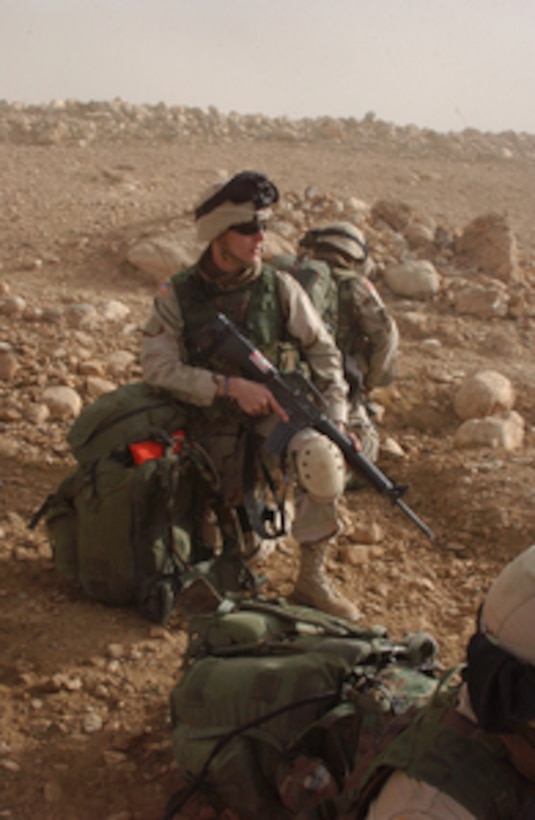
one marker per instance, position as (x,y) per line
(313,588)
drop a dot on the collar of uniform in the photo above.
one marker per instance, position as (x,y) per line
(226,281)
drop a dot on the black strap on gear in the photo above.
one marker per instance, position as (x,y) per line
(259,512)
(180,798)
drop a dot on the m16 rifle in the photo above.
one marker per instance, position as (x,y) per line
(298,396)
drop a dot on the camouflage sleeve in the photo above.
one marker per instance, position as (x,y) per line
(317,346)
(164,357)
(381,332)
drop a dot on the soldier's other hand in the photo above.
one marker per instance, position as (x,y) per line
(355,441)
(254,398)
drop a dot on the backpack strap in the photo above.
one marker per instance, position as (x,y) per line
(67,490)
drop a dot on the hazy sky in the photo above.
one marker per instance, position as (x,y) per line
(441,64)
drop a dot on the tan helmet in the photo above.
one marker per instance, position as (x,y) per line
(338,236)
(241,199)
(508,613)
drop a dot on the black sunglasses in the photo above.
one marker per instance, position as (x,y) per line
(250,228)
(247,186)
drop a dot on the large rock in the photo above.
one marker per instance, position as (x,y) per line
(62,401)
(397,215)
(416,279)
(484,394)
(504,430)
(161,257)
(484,301)
(489,243)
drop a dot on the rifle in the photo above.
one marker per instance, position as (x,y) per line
(221,338)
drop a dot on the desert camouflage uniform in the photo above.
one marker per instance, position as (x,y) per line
(486,785)
(369,334)
(374,337)
(364,331)
(273,312)
(166,364)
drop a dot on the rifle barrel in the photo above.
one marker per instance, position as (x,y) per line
(414,518)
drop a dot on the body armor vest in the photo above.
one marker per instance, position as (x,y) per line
(254,308)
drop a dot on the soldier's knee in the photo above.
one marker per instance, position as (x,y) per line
(319,466)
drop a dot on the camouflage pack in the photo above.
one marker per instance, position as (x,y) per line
(273,698)
(125,527)
(315,278)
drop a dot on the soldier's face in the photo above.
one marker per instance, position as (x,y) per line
(245,248)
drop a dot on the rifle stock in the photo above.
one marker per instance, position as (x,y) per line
(220,337)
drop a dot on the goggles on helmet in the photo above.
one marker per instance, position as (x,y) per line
(247,186)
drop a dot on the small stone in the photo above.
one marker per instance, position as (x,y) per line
(92,722)
(10,765)
(115,651)
(53,792)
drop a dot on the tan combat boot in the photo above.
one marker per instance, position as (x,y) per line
(313,588)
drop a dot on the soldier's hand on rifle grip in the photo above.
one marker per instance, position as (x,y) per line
(254,398)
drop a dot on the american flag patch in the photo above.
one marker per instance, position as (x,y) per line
(260,361)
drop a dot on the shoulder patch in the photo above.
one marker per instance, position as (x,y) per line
(165,288)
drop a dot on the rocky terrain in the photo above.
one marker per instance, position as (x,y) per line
(96,210)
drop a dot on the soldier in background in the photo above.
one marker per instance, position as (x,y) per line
(271,309)
(333,265)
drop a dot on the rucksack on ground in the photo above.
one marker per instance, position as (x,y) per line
(274,696)
(126,525)
(121,534)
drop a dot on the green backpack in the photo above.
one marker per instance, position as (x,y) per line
(328,291)
(315,278)
(131,413)
(273,697)
(122,534)
(127,532)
